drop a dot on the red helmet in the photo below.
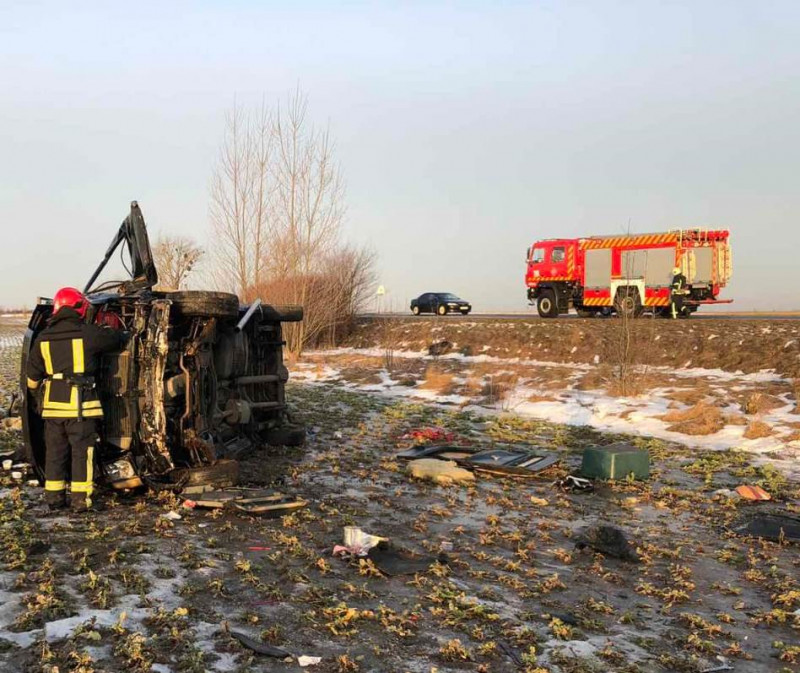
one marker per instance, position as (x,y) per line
(69,296)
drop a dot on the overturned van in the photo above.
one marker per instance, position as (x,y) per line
(200,381)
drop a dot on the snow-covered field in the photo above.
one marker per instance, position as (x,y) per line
(551,391)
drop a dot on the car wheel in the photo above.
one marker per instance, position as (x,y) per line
(415,310)
(199,303)
(442,310)
(546,304)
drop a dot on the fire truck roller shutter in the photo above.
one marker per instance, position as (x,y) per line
(703,265)
(598,268)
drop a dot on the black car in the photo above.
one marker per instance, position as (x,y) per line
(440,303)
(200,381)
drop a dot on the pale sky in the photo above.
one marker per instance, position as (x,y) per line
(465,130)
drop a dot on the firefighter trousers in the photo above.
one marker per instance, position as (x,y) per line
(676,306)
(69,457)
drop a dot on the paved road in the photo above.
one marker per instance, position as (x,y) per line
(533,316)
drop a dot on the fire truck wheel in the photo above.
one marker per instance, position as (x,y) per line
(546,304)
(627,303)
(442,310)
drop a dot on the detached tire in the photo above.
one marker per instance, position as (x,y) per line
(210,304)
(546,304)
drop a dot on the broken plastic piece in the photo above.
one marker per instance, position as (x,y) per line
(171,516)
(304,660)
(260,648)
(519,462)
(753,492)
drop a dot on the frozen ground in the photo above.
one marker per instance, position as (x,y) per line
(127,589)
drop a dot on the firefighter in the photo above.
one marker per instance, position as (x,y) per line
(62,365)
(677,292)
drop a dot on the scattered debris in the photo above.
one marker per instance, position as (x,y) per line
(440,471)
(615,461)
(392,561)
(248,501)
(520,462)
(304,660)
(429,435)
(608,540)
(753,492)
(770,526)
(359,542)
(511,460)
(539,502)
(574,484)
(440,348)
(261,648)
(171,516)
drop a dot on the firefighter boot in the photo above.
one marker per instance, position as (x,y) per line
(55,499)
(80,502)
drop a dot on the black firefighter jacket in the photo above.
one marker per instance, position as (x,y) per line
(66,356)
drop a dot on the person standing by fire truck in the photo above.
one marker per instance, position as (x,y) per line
(66,358)
(677,293)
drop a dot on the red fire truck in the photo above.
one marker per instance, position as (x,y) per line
(627,274)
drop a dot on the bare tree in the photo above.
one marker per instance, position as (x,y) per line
(175,258)
(277,206)
(240,199)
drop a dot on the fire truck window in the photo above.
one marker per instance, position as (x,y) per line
(558,255)
(538,256)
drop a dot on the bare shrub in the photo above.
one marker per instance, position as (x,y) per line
(701,419)
(760,403)
(437,380)
(758,429)
(175,258)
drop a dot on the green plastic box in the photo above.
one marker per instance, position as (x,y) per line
(615,461)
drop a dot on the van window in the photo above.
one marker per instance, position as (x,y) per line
(538,256)
(558,255)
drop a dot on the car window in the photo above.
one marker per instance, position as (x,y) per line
(538,256)
(558,255)
(450,297)
(423,298)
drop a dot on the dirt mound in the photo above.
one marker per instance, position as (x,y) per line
(731,345)
(700,419)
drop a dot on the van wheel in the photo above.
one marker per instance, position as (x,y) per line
(205,304)
(546,304)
